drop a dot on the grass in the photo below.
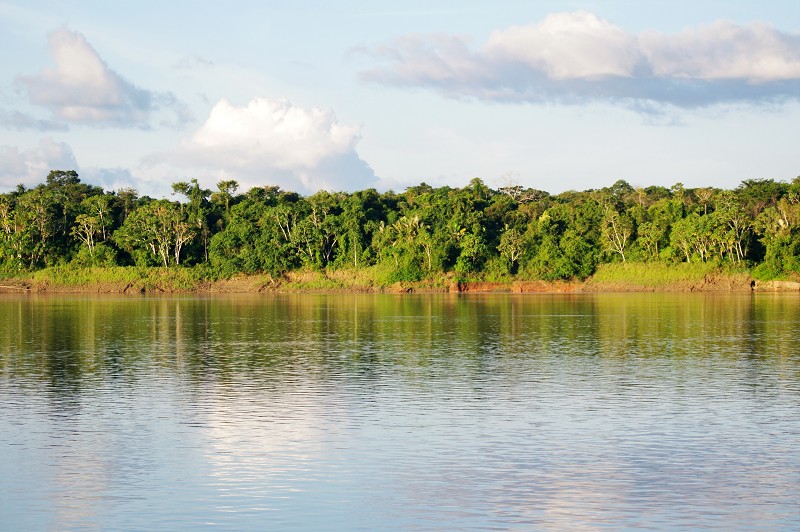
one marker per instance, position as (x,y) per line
(357,280)
(118,278)
(659,274)
(631,276)
(375,278)
(200,278)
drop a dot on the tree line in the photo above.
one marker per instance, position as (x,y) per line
(474,231)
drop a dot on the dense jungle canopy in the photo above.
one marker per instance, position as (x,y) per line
(420,233)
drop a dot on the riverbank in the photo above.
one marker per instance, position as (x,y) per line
(632,277)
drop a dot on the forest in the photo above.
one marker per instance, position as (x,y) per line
(473,232)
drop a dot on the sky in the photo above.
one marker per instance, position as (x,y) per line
(355,94)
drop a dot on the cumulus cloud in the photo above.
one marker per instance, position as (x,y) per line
(575,57)
(31,167)
(82,89)
(275,142)
(567,46)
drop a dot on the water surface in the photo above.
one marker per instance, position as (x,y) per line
(433,412)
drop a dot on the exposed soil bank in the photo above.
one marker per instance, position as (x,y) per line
(313,282)
(711,283)
(776,286)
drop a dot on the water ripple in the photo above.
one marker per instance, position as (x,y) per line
(434,412)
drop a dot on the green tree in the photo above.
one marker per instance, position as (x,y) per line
(260,235)
(650,235)
(226,190)
(402,244)
(36,215)
(66,193)
(155,233)
(126,197)
(616,229)
(560,250)
(87,230)
(12,249)
(512,247)
(197,211)
(682,236)
(779,229)
(731,214)
(360,217)
(473,252)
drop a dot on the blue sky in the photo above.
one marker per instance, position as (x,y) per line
(355,94)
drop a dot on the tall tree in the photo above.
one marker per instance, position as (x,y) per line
(197,211)
(156,233)
(617,229)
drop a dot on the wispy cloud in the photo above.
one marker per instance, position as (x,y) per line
(21,122)
(194,62)
(578,57)
(30,167)
(82,89)
(117,178)
(275,142)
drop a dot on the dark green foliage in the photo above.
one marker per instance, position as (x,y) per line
(258,236)
(424,232)
(566,256)
(103,256)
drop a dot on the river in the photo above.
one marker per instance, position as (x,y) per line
(397,412)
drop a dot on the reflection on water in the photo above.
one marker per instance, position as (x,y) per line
(398,412)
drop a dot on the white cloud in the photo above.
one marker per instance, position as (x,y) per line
(30,167)
(575,57)
(724,51)
(437,58)
(82,89)
(568,46)
(275,142)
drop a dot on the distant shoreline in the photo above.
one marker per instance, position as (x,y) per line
(610,278)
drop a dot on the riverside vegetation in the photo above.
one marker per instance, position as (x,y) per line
(64,232)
